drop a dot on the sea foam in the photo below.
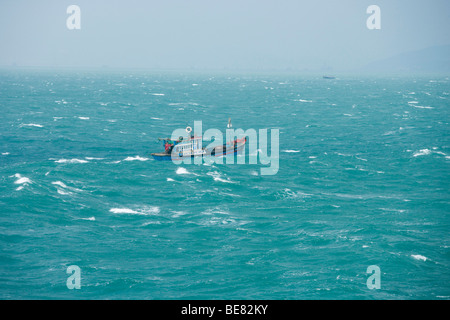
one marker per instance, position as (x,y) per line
(422,152)
(89,219)
(182,170)
(151,210)
(59,183)
(21,180)
(31,125)
(71,161)
(123,210)
(217,177)
(135,159)
(419,257)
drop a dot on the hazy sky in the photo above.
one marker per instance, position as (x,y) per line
(217,34)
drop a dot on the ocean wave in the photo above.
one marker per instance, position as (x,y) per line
(423,107)
(422,152)
(419,257)
(216,221)
(151,210)
(135,159)
(83,118)
(218,177)
(31,125)
(59,183)
(289,194)
(89,219)
(177,214)
(215,210)
(114,162)
(63,189)
(123,210)
(183,104)
(21,180)
(71,161)
(291,151)
(182,170)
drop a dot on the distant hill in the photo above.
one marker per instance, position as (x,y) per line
(430,60)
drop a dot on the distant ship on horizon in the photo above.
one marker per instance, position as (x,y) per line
(329,77)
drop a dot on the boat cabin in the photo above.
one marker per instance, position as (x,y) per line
(190,147)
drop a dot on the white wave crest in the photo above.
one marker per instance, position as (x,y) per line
(62,192)
(423,107)
(182,170)
(135,159)
(143,211)
(71,161)
(59,183)
(289,194)
(21,180)
(419,257)
(217,177)
(123,210)
(422,152)
(31,125)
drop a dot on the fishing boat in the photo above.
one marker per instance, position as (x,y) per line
(193,147)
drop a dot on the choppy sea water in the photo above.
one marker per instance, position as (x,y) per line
(363,180)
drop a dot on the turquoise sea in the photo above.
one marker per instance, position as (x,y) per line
(363,180)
